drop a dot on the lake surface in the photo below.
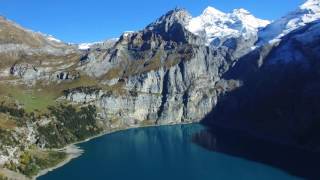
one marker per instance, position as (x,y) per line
(159,153)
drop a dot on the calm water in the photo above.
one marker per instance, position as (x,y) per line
(166,152)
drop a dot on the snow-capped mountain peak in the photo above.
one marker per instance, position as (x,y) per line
(313,5)
(218,26)
(306,13)
(241,11)
(212,11)
(248,19)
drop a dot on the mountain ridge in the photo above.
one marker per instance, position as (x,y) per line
(306,13)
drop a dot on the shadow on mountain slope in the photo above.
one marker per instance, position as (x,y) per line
(278,102)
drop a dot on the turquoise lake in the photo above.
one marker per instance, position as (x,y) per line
(159,153)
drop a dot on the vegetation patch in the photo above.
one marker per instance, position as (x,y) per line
(71,125)
(7,138)
(113,73)
(12,111)
(42,96)
(30,98)
(33,161)
(3,177)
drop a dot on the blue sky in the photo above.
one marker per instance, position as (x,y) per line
(94,20)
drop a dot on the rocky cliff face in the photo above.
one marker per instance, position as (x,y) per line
(165,74)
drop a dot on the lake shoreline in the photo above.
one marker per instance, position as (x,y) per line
(73,151)
(172,149)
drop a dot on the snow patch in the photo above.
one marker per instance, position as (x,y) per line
(127,33)
(86,46)
(51,38)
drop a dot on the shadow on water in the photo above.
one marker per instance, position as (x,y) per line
(295,161)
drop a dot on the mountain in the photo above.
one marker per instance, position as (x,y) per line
(217,26)
(279,93)
(306,13)
(31,56)
(162,65)
(278,96)
(178,69)
(23,39)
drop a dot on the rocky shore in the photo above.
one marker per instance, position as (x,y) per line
(72,152)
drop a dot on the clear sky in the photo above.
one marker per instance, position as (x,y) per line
(95,20)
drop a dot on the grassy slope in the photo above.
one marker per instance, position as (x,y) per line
(40,96)
(6,122)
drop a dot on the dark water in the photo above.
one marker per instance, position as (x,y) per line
(159,153)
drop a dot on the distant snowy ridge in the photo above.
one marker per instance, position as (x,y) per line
(86,46)
(306,13)
(51,38)
(217,25)
(127,33)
